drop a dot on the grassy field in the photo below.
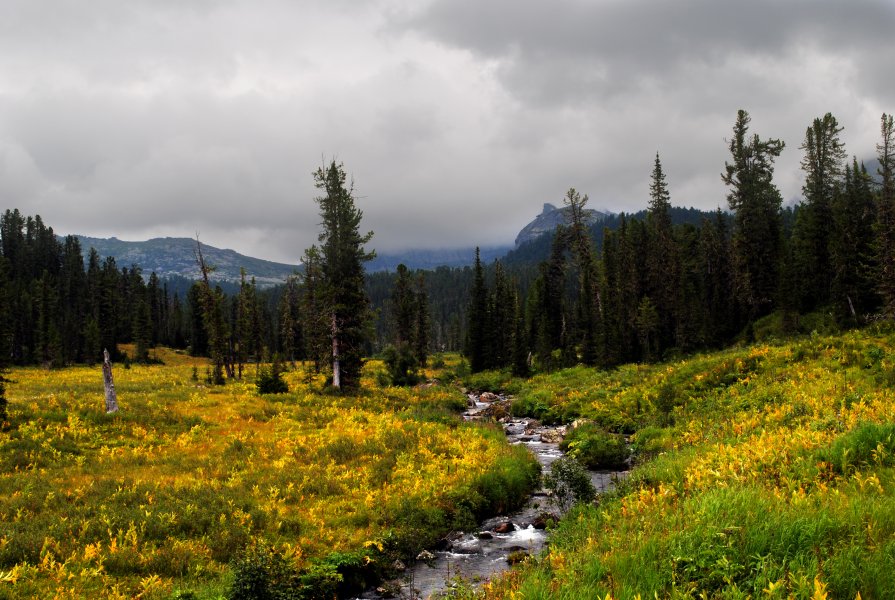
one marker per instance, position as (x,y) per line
(160,499)
(765,472)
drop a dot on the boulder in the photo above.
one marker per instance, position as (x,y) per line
(541,521)
(484,535)
(398,565)
(488,397)
(389,589)
(425,556)
(551,436)
(505,527)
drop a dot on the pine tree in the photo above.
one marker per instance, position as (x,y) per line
(477,316)
(588,306)
(248,326)
(342,266)
(823,164)
(423,323)
(756,201)
(501,319)
(662,260)
(212,303)
(403,307)
(851,246)
(401,358)
(314,314)
(290,321)
(885,223)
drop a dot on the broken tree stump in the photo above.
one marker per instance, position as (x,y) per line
(111,397)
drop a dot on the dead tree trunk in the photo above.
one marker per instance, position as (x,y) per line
(111,397)
(337,374)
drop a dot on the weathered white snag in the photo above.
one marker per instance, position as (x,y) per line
(111,397)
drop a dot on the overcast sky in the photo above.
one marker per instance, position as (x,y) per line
(457,119)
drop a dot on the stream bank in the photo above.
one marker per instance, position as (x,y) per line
(499,541)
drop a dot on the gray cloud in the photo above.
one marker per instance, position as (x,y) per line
(457,119)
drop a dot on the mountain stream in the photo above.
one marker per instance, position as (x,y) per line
(477,556)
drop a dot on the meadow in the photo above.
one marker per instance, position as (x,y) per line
(765,471)
(161,499)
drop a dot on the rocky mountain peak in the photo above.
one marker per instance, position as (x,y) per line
(550,217)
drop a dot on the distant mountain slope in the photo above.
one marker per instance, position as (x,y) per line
(176,257)
(432,259)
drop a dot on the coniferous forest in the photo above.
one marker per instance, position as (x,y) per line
(631,288)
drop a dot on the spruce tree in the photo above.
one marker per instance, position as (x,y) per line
(756,201)
(477,318)
(588,305)
(290,321)
(423,323)
(343,256)
(885,223)
(823,162)
(851,246)
(313,310)
(401,358)
(662,260)
(403,307)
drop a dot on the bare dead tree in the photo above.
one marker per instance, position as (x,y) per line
(109,384)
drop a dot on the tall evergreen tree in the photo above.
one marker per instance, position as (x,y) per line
(423,324)
(314,314)
(477,316)
(290,321)
(662,260)
(851,246)
(588,306)
(342,265)
(756,201)
(885,223)
(823,164)
(213,302)
(403,307)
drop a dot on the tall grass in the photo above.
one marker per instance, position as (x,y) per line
(766,472)
(162,498)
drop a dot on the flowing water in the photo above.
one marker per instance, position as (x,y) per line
(477,556)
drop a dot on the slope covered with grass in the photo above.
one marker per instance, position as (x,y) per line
(162,497)
(765,472)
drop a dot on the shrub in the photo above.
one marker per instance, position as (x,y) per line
(596,448)
(270,380)
(569,482)
(401,364)
(262,573)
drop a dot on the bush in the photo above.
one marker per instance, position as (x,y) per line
(595,448)
(401,364)
(262,573)
(569,482)
(270,380)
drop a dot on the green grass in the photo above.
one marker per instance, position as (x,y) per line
(765,472)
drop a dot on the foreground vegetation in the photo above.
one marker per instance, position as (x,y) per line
(161,499)
(765,472)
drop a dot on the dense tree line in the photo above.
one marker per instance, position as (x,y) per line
(632,287)
(662,286)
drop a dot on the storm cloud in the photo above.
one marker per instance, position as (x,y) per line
(457,119)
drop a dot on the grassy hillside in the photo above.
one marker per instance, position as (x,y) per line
(160,499)
(765,472)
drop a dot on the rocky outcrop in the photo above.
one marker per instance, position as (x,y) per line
(549,218)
